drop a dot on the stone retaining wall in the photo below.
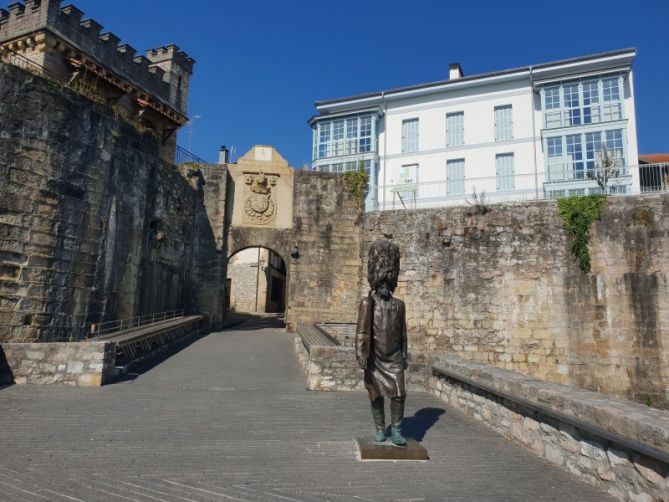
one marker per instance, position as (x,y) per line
(334,368)
(85,364)
(623,472)
(505,289)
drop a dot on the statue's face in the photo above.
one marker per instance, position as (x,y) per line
(383,288)
(384,291)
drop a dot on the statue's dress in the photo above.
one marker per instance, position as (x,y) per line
(385,348)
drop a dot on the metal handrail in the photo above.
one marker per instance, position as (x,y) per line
(183,156)
(560,181)
(105,328)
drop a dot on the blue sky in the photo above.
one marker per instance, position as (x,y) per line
(261,64)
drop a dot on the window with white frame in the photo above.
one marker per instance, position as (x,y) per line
(591,110)
(455,177)
(555,160)
(587,101)
(343,136)
(324,140)
(455,129)
(611,106)
(574,166)
(365,135)
(505,171)
(572,104)
(410,135)
(552,107)
(574,156)
(503,123)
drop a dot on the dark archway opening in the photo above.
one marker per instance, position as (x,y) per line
(256,281)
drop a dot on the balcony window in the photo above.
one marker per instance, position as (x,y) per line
(343,136)
(574,156)
(582,102)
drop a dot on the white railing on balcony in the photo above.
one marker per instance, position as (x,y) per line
(559,181)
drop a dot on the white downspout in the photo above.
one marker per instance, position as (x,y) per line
(385,145)
(534,138)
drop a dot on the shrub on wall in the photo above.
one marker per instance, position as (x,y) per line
(357,183)
(579,213)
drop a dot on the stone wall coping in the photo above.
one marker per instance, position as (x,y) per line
(643,424)
(50,345)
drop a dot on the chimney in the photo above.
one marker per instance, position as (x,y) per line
(454,71)
(223,155)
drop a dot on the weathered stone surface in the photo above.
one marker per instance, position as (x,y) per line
(93,225)
(504,289)
(595,459)
(89,364)
(324,279)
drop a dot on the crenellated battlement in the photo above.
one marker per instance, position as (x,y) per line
(173,53)
(42,29)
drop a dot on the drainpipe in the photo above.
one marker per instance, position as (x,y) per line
(534,139)
(385,145)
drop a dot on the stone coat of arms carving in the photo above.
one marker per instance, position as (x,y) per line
(259,206)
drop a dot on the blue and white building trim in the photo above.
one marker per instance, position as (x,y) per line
(528,132)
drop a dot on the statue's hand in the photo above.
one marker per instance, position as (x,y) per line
(406,363)
(362,363)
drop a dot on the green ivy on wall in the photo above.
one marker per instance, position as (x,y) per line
(357,182)
(579,213)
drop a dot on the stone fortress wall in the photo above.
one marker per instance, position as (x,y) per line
(504,289)
(93,225)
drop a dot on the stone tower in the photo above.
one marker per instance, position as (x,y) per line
(178,68)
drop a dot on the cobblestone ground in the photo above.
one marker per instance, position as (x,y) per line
(228,418)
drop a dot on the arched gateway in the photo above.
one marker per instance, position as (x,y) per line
(311,220)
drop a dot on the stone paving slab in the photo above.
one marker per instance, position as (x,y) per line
(228,418)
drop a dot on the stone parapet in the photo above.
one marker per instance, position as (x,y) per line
(84,364)
(619,445)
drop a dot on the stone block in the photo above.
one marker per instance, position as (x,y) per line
(89,380)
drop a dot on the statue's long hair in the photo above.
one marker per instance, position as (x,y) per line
(384,264)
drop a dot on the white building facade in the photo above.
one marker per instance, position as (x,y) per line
(524,133)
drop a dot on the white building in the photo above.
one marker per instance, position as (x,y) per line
(529,132)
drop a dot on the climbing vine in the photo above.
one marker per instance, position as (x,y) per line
(578,214)
(357,183)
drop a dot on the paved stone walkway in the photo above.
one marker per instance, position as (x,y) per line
(228,419)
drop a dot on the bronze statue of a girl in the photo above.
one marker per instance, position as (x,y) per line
(381,339)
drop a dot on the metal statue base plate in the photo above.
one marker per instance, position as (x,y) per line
(371,450)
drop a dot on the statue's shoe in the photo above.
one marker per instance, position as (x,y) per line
(380,437)
(396,436)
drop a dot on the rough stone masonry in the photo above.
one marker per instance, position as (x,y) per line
(504,289)
(93,225)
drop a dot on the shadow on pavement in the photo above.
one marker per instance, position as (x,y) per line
(258,321)
(417,426)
